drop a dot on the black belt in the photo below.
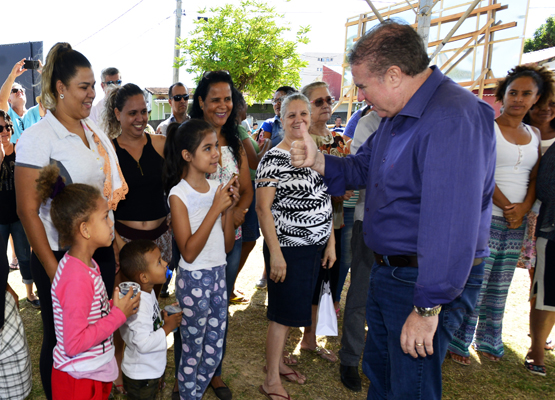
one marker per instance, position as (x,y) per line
(407,261)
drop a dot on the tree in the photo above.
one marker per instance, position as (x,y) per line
(246,41)
(544,37)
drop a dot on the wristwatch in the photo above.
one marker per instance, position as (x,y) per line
(428,311)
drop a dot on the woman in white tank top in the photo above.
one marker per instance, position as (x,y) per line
(518,154)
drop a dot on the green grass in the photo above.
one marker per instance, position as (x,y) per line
(246,345)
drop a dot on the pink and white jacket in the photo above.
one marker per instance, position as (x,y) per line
(83,317)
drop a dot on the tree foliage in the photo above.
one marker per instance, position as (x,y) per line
(246,41)
(544,37)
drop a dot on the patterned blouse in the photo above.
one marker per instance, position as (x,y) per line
(301,207)
(225,173)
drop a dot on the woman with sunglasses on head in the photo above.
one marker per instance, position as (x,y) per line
(328,142)
(13,100)
(215,102)
(10,224)
(272,128)
(84,154)
(516,168)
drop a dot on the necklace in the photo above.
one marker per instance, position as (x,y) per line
(140,168)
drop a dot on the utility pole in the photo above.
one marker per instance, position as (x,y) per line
(424,18)
(178,13)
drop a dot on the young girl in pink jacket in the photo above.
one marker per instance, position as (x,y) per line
(84,318)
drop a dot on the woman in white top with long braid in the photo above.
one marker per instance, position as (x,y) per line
(518,155)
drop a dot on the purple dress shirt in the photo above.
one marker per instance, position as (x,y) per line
(429,176)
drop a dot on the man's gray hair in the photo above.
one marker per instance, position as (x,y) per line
(390,43)
(108,71)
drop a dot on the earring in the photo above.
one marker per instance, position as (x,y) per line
(62,96)
(89,236)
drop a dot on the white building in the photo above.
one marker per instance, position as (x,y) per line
(316,62)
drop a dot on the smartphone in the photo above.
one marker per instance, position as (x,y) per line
(31,64)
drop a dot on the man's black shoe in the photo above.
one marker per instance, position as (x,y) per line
(222,393)
(350,378)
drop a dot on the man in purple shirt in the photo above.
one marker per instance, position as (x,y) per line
(428,172)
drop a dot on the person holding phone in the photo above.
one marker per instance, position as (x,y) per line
(13,100)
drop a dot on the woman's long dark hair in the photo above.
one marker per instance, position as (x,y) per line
(187,136)
(229,130)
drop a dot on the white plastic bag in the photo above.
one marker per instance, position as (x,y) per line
(327,319)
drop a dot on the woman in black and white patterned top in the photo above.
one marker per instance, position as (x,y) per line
(295,216)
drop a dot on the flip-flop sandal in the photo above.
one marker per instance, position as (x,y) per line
(326,354)
(238,300)
(289,359)
(453,355)
(535,369)
(269,395)
(490,357)
(287,376)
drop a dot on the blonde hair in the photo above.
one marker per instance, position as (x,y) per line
(292,97)
(61,65)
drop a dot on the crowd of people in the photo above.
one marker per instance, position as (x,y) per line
(429,200)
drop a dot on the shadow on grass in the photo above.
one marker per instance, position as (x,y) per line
(507,379)
(246,356)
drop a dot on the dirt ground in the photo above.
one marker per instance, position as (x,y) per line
(242,369)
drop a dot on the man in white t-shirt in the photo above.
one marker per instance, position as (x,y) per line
(110,79)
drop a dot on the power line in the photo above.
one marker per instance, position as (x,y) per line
(142,34)
(110,23)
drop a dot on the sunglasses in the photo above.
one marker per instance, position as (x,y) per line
(6,127)
(277,101)
(22,90)
(207,73)
(118,82)
(320,101)
(179,97)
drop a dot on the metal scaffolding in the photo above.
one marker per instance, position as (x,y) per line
(443,25)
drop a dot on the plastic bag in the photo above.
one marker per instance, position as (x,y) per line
(327,319)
